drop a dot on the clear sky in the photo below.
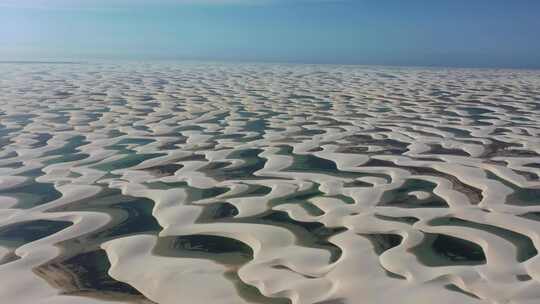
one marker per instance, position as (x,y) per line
(487,33)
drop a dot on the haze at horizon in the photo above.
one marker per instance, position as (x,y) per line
(433,33)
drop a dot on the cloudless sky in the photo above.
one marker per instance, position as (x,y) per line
(486,33)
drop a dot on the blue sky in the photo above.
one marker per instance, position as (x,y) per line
(485,33)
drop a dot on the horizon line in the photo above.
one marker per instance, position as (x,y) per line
(276,62)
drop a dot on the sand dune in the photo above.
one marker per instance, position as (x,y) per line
(207,183)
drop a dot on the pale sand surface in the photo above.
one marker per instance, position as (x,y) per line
(220,183)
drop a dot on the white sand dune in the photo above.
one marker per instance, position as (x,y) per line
(207,183)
